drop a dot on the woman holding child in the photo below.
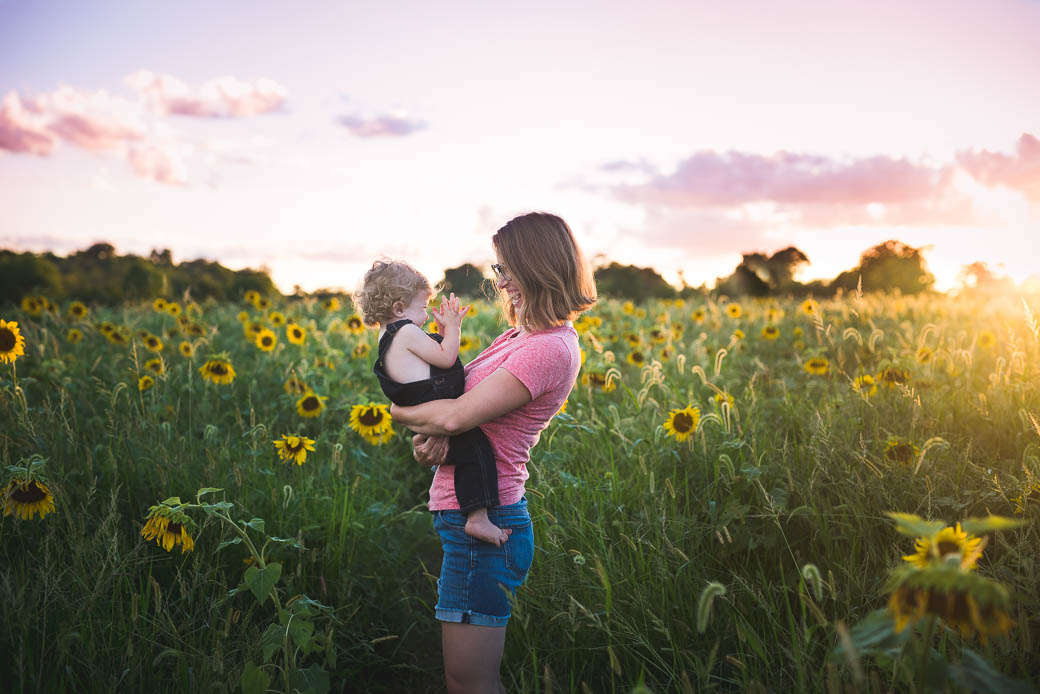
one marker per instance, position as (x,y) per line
(512,390)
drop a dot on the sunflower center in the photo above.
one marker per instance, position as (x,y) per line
(682,422)
(947,547)
(29,494)
(370,417)
(354,323)
(218,369)
(7,340)
(173,529)
(311,403)
(266,340)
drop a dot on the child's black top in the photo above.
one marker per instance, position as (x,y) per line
(442,383)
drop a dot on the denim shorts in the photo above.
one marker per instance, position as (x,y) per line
(477,579)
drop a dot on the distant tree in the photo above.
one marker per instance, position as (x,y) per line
(978,277)
(743,282)
(27,273)
(894,265)
(631,282)
(762,275)
(465,280)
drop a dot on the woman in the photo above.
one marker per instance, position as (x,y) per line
(513,388)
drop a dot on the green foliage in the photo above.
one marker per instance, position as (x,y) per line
(631,282)
(467,281)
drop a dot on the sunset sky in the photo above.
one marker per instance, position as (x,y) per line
(313,137)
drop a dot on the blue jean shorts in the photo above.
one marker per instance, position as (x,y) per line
(477,578)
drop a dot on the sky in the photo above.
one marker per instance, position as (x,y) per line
(311,138)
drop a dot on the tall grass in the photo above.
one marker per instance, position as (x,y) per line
(630,524)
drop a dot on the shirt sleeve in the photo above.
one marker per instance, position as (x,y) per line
(541,364)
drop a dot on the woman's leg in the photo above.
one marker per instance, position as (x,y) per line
(472,657)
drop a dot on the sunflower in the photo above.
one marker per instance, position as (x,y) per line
(145,382)
(770,332)
(817,366)
(324,363)
(12,344)
(947,542)
(186,349)
(665,354)
(293,447)
(681,424)
(78,310)
(330,304)
(986,340)
(370,420)
(168,528)
(640,312)
(658,336)
(153,343)
(809,307)
(924,355)
(311,404)
(432,328)
(677,331)
(266,340)
(119,336)
(156,366)
(252,329)
(294,385)
(738,334)
(698,315)
(104,327)
(242,316)
(967,602)
(599,380)
(865,385)
(361,349)
(724,398)
(734,311)
(159,305)
(276,318)
(355,326)
(251,296)
(263,303)
(636,357)
(173,309)
(195,330)
(218,371)
(798,332)
(628,307)
(75,335)
(563,408)
(633,339)
(891,377)
(900,450)
(295,334)
(774,314)
(27,498)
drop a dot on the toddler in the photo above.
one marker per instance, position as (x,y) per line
(414,367)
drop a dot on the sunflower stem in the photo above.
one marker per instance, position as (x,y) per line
(921,681)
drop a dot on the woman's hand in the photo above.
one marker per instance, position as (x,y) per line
(430,450)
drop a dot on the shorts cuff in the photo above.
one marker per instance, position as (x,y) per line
(482,620)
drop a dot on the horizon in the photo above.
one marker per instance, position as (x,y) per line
(314,139)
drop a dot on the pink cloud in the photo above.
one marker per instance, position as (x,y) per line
(713,179)
(383,125)
(22,129)
(96,121)
(157,163)
(1020,171)
(220,97)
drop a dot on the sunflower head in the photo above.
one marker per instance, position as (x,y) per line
(636,357)
(986,340)
(12,344)
(293,447)
(159,305)
(295,334)
(25,496)
(924,355)
(173,309)
(266,340)
(865,385)
(900,450)
(75,335)
(276,318)
(294,385)
(331,304)
(967,602)
(949,544)
(186,349)
(78,310)
(218,370)
(681,424)
(145,382)
(361,350)
(698,315)
(891,377)
(370,420)
(156,366)
(770,332)
(262,303)
(251,296)
(153,343)
(33,305)
(734,310)
(168,525)
(817,366)
(738,334)
(311,404)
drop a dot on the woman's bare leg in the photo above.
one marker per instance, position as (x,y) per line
(472,657)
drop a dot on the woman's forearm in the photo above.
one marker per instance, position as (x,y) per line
(434,417)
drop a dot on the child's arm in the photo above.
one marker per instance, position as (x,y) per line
(444,353)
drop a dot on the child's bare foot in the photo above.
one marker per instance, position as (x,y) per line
(479,526)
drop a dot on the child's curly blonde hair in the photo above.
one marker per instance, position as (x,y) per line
(386,283)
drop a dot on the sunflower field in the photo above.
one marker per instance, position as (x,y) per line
(766,496)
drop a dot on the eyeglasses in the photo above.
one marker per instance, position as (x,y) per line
(500,271)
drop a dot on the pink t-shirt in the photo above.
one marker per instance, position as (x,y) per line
(547,363)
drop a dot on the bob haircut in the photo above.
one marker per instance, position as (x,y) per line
(544,261)
(385,284)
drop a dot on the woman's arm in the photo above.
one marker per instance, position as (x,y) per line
(497,394)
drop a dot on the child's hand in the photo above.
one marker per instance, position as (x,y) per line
(450,313)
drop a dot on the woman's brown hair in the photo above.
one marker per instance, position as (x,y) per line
(544,261)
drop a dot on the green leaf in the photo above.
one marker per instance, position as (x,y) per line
(977,526)
(271,641)
(228,543)
(256,524)
(207,490)
(253,680)
(172,501)
(976,675)
(313,680)
(301,630)
(915,526)
(262,581)
(287,541)
(873,634)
